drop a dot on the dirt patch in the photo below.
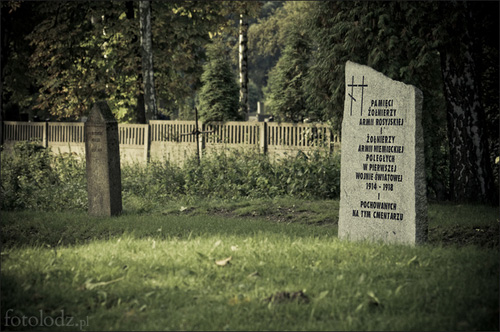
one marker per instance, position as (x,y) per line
(483,236)
(290,215)
(308,217)
(284,297)
(222,212)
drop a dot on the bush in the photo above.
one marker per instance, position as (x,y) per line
(144,186)
(72,182)
(230,175)
(33,179)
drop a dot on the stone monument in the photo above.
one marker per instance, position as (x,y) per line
(102,152)
(382,190)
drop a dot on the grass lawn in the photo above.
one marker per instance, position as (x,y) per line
(248,265)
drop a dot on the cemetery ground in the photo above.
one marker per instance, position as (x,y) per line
(245,264)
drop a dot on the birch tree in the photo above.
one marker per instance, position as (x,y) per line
(243,64)
(147,60)
(470,169)
(243,11)
(53,62)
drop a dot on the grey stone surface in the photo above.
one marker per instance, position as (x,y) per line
(103,162)
(382,187)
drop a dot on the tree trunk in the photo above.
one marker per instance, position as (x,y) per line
(140,112)
(147,60)
(471,178)
(243,61)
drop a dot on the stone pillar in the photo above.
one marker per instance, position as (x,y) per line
(45,139)
(263,137)
(147,143)
(103,162)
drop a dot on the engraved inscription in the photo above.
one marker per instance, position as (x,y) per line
(380,150)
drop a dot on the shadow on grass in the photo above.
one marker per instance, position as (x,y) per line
(455,225)
(34,304)
(123,284)
(27,228)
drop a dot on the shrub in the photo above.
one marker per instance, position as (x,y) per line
(33,179)
(230,175)
(154,183)
(72,182)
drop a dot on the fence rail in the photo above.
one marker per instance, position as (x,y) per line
(233,133)
(172,131)
(66,132)
(22,131)
(132,134)
(176,140)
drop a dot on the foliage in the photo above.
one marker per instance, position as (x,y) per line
(77,51)
(77,58)
(58,40)
(218,97)
(369,33)
(81,51)
(233,175)
(147,186)
(254,96)
(247,174)
(286,96)
(24,173)
(181,32)
(268,37)
(32,179)
(372,33)
(17,92)
(364,32)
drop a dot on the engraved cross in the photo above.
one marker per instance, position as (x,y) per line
(352,86)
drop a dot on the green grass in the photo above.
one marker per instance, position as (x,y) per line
(157,271)
(464,225)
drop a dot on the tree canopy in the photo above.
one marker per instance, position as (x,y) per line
(218,98)
(440,47)
(285,94)
(81,50)
(59,57)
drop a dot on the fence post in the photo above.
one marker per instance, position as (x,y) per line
(147,142)
(45,135)
(329,141)
(201,144)
(2,129)
(263,137)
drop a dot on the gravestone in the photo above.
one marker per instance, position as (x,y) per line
(103,162)
(383,191)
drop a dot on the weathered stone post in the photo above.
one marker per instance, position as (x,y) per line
(103,162)
(263,137)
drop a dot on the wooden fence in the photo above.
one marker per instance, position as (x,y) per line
(176,141)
